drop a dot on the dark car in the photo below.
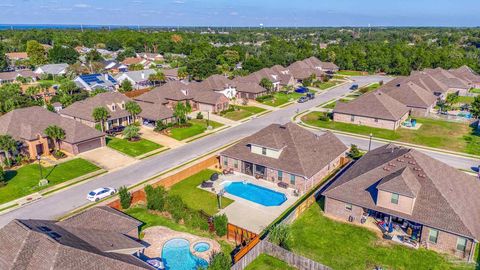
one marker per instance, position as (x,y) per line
(302,90)
(310,95)
(354,87)
(115,130)
(303,99)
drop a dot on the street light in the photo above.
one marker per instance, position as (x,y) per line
(370,142)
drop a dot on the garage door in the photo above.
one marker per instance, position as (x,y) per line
(90,145)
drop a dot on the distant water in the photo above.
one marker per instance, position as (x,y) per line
(68,26)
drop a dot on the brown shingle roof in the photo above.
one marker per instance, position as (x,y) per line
(172,90)
(17,55)
(12,75)
(303,152)
(447,199)
(375,104)
(410,94)
(250,87)
(466,73)
(402,182)
(154,111)
(28,123)
(215,82)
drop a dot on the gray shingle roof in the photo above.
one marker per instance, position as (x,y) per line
(137,75)
(53,69)
(303,152)
(446,199)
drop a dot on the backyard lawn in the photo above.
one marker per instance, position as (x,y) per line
(241,112)
(345,246)
(465,99)
(24,181)
(267,262)
(433,133)
(350,73)
(132,148)
(325,85)
(195,127)
(196,198)
(279,98)
(150,219)
(475,90)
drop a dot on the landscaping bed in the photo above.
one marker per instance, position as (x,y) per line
(132,148)
(344,246)
(267,262)
(434,133)
(236,113)
(24,181)
(193,128)
(279,98)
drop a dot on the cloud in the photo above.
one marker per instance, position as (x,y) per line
(179,2)
(234,13)
(81,5)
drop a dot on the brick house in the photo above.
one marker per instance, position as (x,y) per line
(27,126)
(286,153)
(411,195)
(374,109)
(99,238)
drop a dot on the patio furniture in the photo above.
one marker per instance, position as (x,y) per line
(206,184)
(282,185)
(214,177)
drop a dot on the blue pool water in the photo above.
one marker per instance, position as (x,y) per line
(201,247)
(254,193)
(176,255)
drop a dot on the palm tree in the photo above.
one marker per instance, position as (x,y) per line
(7,144)
(131,132)
(157,77)
(55,133)
(100,114)
(133,108)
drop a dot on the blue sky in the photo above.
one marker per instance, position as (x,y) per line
(243,12)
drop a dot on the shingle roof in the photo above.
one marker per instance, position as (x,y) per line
(43,244)
(249,87)
(52,68)
(466,73)
(446,199)
(154,111)
(375,104)
(172,90)
(28,123)
(402,182)
(410,94)
(215,82)
(12,75)
(447,78)
(17,55)
(303,152)
(137,75)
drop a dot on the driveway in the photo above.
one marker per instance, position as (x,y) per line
(107,158)
(149,134)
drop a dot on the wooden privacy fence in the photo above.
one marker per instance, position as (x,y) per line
(280,253)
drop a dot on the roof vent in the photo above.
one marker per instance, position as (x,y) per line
(386,169)
(412,162)
(417,169)
(284,127)
(422,175)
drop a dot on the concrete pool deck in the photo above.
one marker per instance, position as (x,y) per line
(157,236)
(247,214)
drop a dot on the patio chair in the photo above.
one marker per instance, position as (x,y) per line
(206,184)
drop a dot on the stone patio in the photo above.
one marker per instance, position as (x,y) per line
(157,236)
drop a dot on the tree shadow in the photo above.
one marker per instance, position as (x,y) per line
(9,175)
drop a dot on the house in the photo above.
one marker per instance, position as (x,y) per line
(14,57)
(257,76)
(138,78)
(114,67)
(151,56)
(300,70)
(287,154)
(99,238)
(219,84)
(454,83)
(420,100)
(52,69)
(91,82)
(137,61)
(414,195)
(327,67)
(13,76)
(174,92)
(27,126)
(467,74)
(249,90)
(375,109)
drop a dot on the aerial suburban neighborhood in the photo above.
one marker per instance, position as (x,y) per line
(245,137)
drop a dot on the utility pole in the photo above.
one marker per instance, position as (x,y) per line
(370,142)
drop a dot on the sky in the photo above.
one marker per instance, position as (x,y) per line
(270,13)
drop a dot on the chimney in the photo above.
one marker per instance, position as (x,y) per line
(106,76)
(143,75)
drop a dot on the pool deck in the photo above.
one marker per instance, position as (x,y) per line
(157,236)
(247,214)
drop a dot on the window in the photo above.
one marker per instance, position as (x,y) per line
(348,206)
(280,175)
(235,163)
(433,236)
(225,161)
(292,179)
(461,244)
(394,198)
(264,151)
(114,107)
(352,118)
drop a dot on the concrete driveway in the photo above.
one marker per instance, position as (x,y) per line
(149,134)
(108,158)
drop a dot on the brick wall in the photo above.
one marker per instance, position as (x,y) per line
(446,243)
(338,209)
(367,121)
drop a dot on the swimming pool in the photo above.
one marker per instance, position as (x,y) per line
(176,255)
(201,247)
(256,194)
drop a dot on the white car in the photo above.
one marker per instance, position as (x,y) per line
(100,193)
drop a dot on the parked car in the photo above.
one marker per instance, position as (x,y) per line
(354,87)
(100,193)
(115,130)
(303,99)
(302,90)
(310,95)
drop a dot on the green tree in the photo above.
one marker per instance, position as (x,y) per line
(267,84)
(8,145)
(157,77)
(36,53)
(220,223)
(155,198)
(220,261)
(126,86)
(55,133)
(131,132)
(125,197)
(182,73)
(475,107)
(100,114)
(279,235)
(94,56)
(3,58)
(67,87)
(133,108)
(62,54)
(354,152)
(180,112)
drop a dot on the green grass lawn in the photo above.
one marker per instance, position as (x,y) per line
(475,90)
(369,88)
(281,98)
(465,100)
(325,85)
(433,133)
(330,105)
(196,126)
(345,246)
(196,198)
(350,73)
(134,148)
(150,219)
(242,112)
(24,181)
(267,262)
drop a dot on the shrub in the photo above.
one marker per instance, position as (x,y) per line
(196,220)
(219,261)
(324,117)
(280,235)
(176,207)
(155,198)
(220,223)
(58,154)
(131,132)
(199,116)
(159,126)
(354,152)
(264,98)
(125,197)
